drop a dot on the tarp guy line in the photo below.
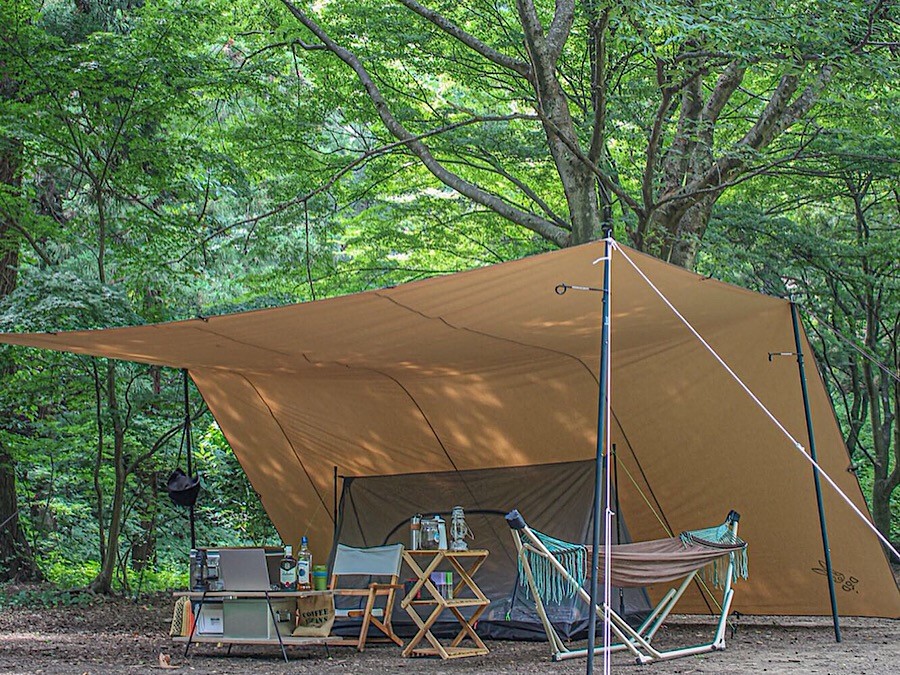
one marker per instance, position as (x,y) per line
(762,406)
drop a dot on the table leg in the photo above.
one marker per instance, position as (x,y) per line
(194,620)
(424,631)
(468,627)
(466,580)
(423,578)
(275,626)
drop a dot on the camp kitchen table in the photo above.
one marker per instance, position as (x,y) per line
(279,639)
(465,594)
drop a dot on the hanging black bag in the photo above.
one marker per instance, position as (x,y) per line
(183,489)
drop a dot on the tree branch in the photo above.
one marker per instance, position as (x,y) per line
(729,80)
(778,115)
(605,180)
(598,30)
(344,170)
(531,221)
(560,28)
(14,223)
(470,41)
(497,167)
(653,141)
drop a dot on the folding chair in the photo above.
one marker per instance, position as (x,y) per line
(378,561)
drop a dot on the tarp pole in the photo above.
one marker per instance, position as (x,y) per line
(812,453)
(615,464)
(598,465)
(187,436)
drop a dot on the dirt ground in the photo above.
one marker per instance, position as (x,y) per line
(121,636)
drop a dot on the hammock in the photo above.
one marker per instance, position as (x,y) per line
(638,564)
(553,570)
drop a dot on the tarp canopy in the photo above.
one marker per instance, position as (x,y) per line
(492,368)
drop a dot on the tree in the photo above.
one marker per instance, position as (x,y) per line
(655,109)
(103,119)
(16,559)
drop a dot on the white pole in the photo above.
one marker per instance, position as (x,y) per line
(608,512)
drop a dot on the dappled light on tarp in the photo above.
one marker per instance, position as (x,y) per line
(491,368)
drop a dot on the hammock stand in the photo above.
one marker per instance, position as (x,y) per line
(638,565)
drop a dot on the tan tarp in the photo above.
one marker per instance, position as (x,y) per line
(492,368)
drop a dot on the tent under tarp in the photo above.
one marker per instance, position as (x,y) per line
(374,510)
(492,369)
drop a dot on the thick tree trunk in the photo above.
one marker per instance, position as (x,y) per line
(674,234)
(581,195)
(544,46)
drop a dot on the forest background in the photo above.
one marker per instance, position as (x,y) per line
(164,159)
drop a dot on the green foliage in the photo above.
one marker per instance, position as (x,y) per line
(182,158)
(57,300)
(826,234)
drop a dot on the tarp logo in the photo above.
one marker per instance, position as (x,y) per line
(847,583)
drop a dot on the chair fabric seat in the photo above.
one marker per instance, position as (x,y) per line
(353,566)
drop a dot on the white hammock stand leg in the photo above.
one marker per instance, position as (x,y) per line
(556,644)
(629,638)
(635,641)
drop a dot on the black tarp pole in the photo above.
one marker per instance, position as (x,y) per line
(187,437)
(335,506)
(812,454)
(615,476)
(598,465)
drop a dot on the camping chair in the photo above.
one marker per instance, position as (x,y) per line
(378,561)
(551,568)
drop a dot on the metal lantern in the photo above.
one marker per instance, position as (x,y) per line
(459,530)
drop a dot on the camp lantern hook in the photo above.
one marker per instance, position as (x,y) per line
(563,287)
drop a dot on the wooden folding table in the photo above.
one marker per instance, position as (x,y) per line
(466,594)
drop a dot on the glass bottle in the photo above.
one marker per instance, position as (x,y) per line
(288,574)
(304,566)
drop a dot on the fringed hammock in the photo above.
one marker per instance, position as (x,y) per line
(552,570)
(639,564)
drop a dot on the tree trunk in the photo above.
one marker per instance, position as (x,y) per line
(103,582)
(881,420)
(544,46)
(881,505)
(143,552)
(681,231)
(16,558)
